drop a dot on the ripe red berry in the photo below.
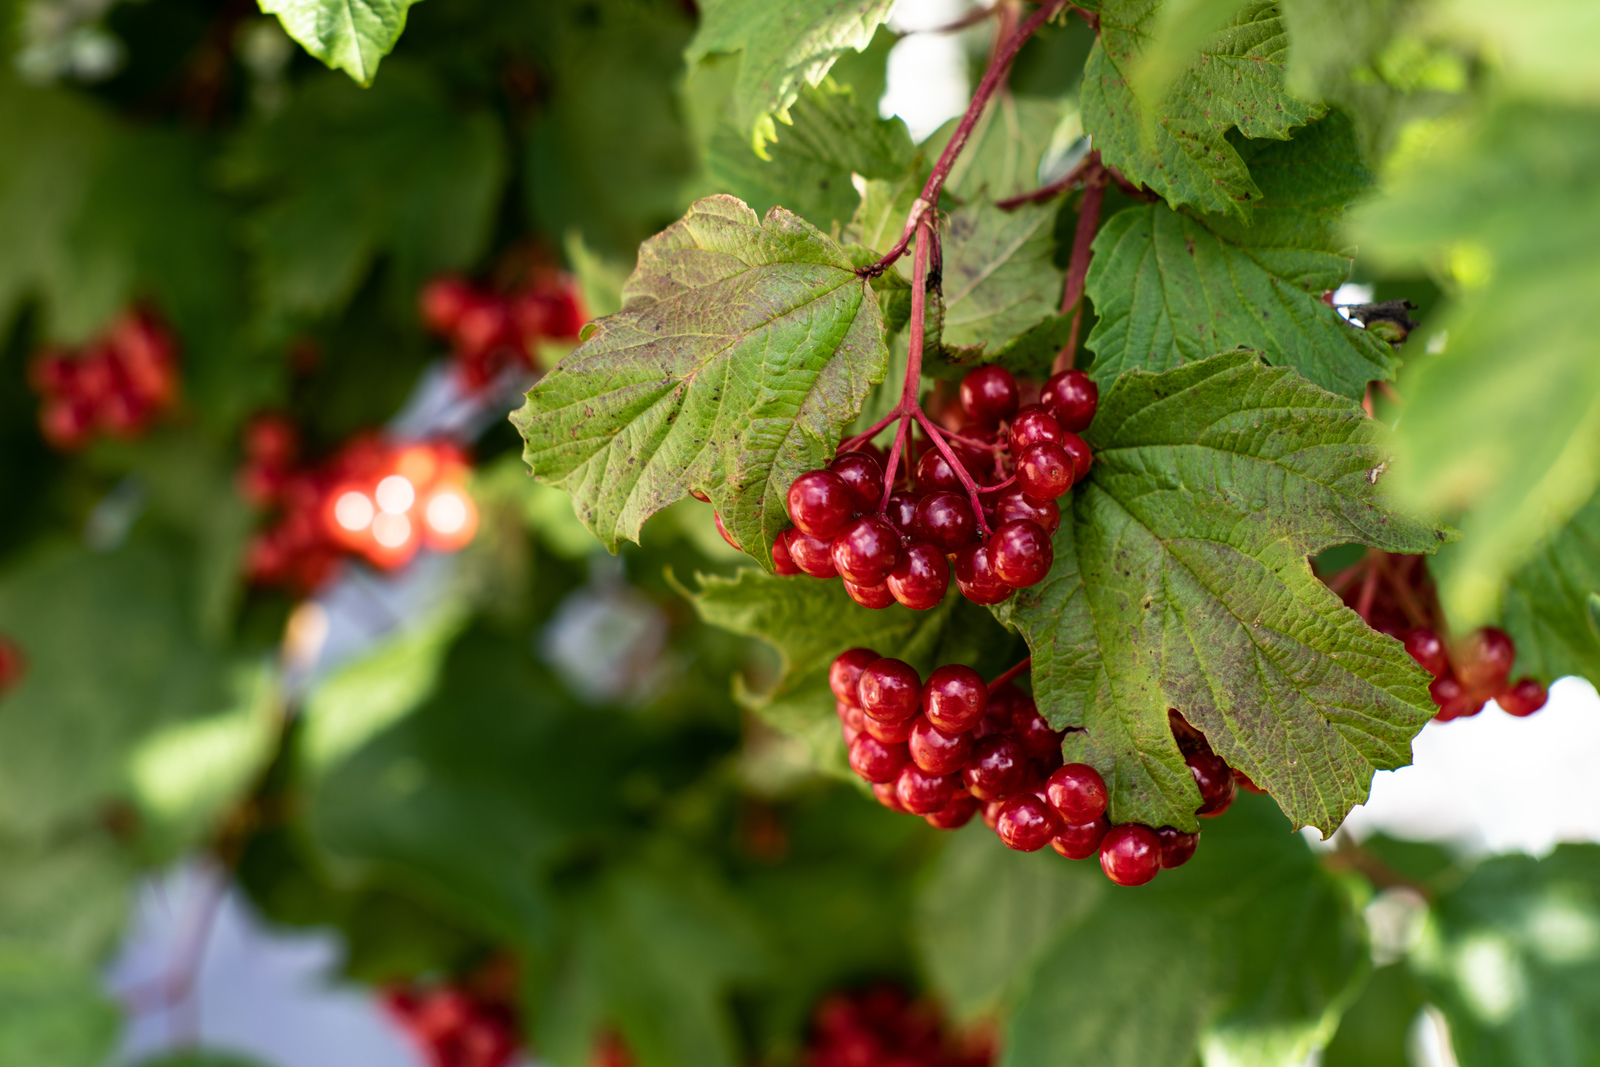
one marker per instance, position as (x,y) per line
(13,663)
(887,796)
(876,761)
(977,578)
(1522,699)
(1030,426)
(890,733)
(1013,505)
(1243,781)
(1072,398)
(864,476)
(956,814)
(813,555)
(866,550)
(938,752)
(998,768)
(782,562)
(870,596)
(1079,842)
(1130,854)
(989,394)
(1215,779)
(1033,733)
(934,473)
(944,520)
(1428,650)
(889,689)
(901,513)
(921,577)
(922,793)
(1455,700)
(1026,823)
(1082,457)
(820,503)
(1176,846)
(66,423)
(852,721)
(1485,660)
(845,672)
(1021,553)
(954,698)
(1077,793)
(1044,470)
(271,441)
(443,301)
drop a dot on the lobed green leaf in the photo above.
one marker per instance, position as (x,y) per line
(348,35)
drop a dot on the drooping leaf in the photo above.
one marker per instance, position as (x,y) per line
(348,35)
(1181,581)
(999,277)
(1507,207)
(1547,606)
(1178,145)
(785,48)
(1170,288)
(743,348)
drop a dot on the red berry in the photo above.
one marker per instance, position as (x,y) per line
(13,663)
(1486,659)
(716,517)
(1176,846)
(1130,854)
(1215,779)
(852,720)
(998,768)
(956,814)
(889,689)
(66,423)
(443,302)
(934,473)
(938,752)
(867,550)
(1030,426)
(921,577)
(864,476)
(812,555)
(989,394)
(1071,397)
(271,441)
(870,596)
(52,372)
(782,562)
(1522,699)
(1033,733)
(1243,781)
(1045,470)
(1026,823)
(122,414)
(1077,793)
(886,795)
(890,733)
(845,672)
(1082,457)
(1079,842)
(1428,650)
(1013,505)
(876,761)
(954,698)
(901,513)
(944,520)
(1455,700)
(1021,552)
(976,576)
(820,504)
(922,793)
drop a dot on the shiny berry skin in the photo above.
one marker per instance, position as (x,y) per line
(1044,470)
(820,504)
(1176,846)
(1072,398)
(976,576)
(1013,505)
(922,576)
(1026,823)
(1427,649)
(864,476)
(1081,841)
(936,751)
(922,793)
(1486,659)
(866,550)
(876,761)
(890,733)
(954,698)
(1033,733)
(901,513)
(944,520)
(876,597)
(1021,553)
(887,796)
(1082,456)
(956,814)
(1455,700)
(935,473)
(852,721)
(1130,854)
(1077,793)
(991,812)
(1215,779)
(1522,699)
(1030,426)
(782,562)
(845,672)
(812,555)
(997,769)
(889,689)
(989,394)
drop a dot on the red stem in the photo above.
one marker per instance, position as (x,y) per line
(1010,674)
(1094,195)
(956,465)
(1045,192)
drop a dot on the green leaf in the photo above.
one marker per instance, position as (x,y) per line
(1513,959)
(1169,288)
(52,1012)
(743,348)
(1506,206)
(202,1059)
(1548,605)
(1375,1029)
(785,47)
(1544,52)
(65,896)
(1003,153)
(1181,581)
(346,176)
(1179,146)
(347,35)
(999,278)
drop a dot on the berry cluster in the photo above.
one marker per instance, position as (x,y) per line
(490,331)
(13,664)
(373,498)
(982,496)
(882,1027)
(953,746)
(455,1028)
(117,384)
(1474,672)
